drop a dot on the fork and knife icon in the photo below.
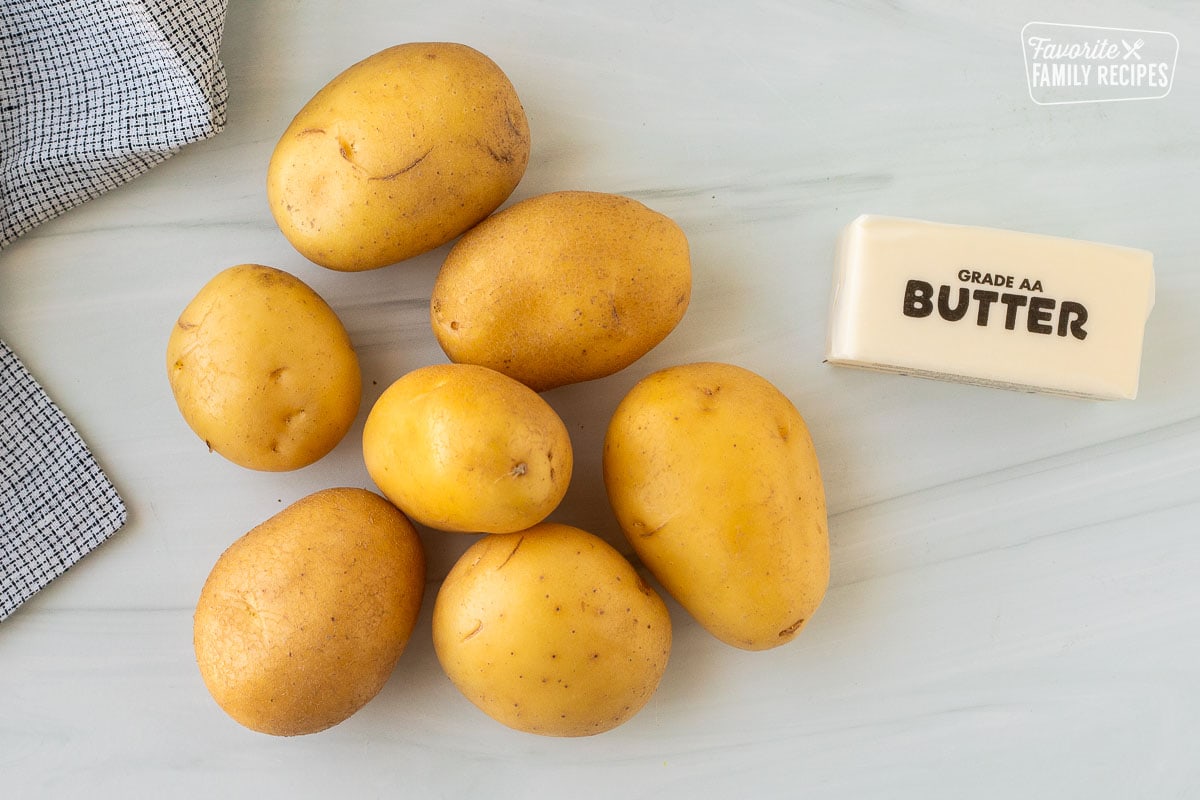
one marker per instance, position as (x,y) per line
(1132,49)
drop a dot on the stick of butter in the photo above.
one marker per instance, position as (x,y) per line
(991,307)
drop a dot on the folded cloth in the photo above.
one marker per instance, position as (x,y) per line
(95,92)
(55,503)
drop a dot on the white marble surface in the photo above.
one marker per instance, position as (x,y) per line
(1014,605)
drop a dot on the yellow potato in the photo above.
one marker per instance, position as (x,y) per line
(398,155)
(463,448)
(551,631)
(302,620)
(263,370)
(712,475)
(562,288)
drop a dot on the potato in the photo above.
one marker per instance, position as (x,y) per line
(712,475)
(562,288)
(463,448)
(263,370)
(551,631)
(398,155)
(302,619)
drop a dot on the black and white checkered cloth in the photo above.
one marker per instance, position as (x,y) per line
(95,92)
(92,94)
(55,503)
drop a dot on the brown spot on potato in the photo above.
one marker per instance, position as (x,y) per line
(504,157)
(512,553)
(790,629)
(408,167)
(642,531)
(512,125)
(474,631)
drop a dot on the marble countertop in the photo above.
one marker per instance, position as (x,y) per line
(1014,600)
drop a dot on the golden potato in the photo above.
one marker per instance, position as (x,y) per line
(263,370)
(398,155)
(712,475)
(562,288)
(302,620)
(551,631)
(463,448)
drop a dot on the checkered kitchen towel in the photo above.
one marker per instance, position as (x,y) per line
(95,92)
(55,503)
(92,94)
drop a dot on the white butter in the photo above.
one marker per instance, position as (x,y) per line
(992,307)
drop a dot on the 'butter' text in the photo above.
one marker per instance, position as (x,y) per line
(1038,311)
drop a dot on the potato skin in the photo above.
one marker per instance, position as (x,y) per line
(398,155)
(263,370)
(303,619)
(551,631)
(562,288)
(713,477)
(462,448)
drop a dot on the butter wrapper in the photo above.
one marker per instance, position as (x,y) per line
(990,307)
